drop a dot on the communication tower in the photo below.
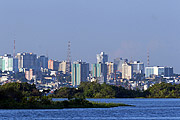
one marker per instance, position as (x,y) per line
(14,52)
(68,61)
(148,58)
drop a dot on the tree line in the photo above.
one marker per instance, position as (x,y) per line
(96,90)
(24,95)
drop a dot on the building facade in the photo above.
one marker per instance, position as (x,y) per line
(99,71)
(29,74)
(63,67)
(42,62)
(102,58)
(158,71)
(127,71)
(27,61)
(118,63)
(80,72)
(138,67)
(8,63)
(53,65)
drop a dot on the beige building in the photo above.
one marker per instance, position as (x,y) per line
(29,74)
(110,70)
(127,71)
(62,67)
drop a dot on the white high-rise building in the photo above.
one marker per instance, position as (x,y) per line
(8,63)
(102,57)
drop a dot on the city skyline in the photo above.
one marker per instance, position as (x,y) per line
(118,28)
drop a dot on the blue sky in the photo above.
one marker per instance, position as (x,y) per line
(121,28)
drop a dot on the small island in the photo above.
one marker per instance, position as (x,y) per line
(26,96)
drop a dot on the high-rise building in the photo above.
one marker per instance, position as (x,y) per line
(127,71)
(27,61)
(29,74)
(53,65)
(42,62)
(50,64)
(158,71)
(80,72)
(110,67)
(94,70)
(118,63)
(110,71)
(8,63)
(138,70)
(99,71)
(168,71)
(102,58)
(1,57)
(138,67)
(63,65)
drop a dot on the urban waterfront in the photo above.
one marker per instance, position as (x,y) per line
(144,109)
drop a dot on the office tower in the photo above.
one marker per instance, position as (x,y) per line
(80,72)
(168,71)
(63,65)
(50,64)
(42,62)
(1,57)
(138,67)
(53,65)
(99,71)
(138,70)
(8,63)
(102,58)
(127,71)
(154,71)
(118,63)
(27,61)
(110,67)
(94,70)
(110,71)
(158,71)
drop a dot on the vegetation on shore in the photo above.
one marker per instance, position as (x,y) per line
(163,90)
(96,90)
(26,96)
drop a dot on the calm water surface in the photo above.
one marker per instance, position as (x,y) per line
(146,109)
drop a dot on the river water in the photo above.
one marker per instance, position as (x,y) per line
(145,109)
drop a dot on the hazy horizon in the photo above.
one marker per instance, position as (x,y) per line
(120,28)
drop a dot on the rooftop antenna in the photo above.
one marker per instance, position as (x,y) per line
(68,64)
(148,58)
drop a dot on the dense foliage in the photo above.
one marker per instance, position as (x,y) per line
(96,90)
(164,90)
(17,91)
(26,96)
